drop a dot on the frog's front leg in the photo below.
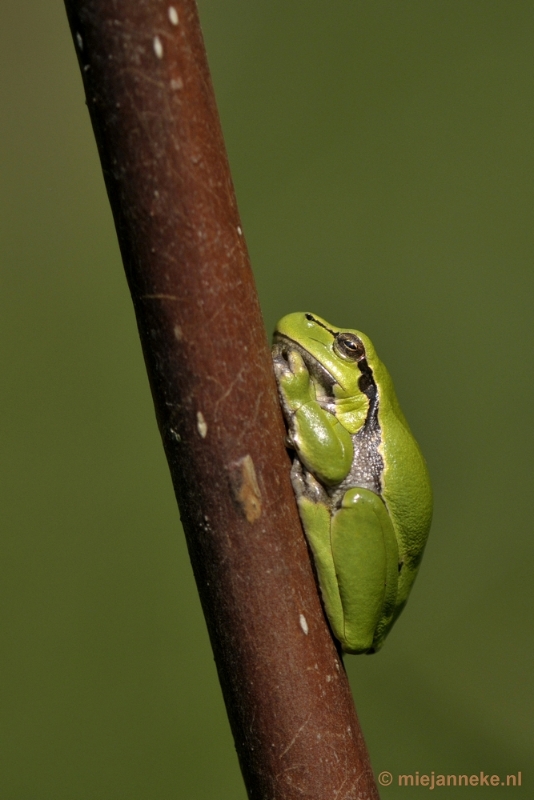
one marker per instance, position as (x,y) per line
(322,444)
(356,556)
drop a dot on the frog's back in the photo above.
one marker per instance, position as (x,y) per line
(406,488)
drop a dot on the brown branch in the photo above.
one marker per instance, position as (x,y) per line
(153,111)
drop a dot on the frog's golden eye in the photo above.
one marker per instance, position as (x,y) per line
(349,346)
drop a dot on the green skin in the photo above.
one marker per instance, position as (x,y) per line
(361,481)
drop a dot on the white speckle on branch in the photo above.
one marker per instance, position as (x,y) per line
(173,15)
(175,435)
(202,425)
(303,624)
(158,47)
(79,40)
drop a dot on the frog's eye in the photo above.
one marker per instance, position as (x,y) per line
(349,346)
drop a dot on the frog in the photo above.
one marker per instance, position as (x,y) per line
(361,482)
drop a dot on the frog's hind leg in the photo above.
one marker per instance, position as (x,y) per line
(365,555)
(316,519)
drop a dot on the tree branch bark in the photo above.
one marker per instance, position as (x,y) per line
(156,125)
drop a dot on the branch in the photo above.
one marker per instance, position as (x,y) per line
(155,120)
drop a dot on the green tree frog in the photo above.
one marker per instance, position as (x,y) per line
(360,480)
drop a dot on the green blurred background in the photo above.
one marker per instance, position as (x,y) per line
(382,156)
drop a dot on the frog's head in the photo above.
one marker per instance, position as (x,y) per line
(340,359)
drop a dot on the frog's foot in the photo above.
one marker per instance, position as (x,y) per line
(294,384)
(306,485)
